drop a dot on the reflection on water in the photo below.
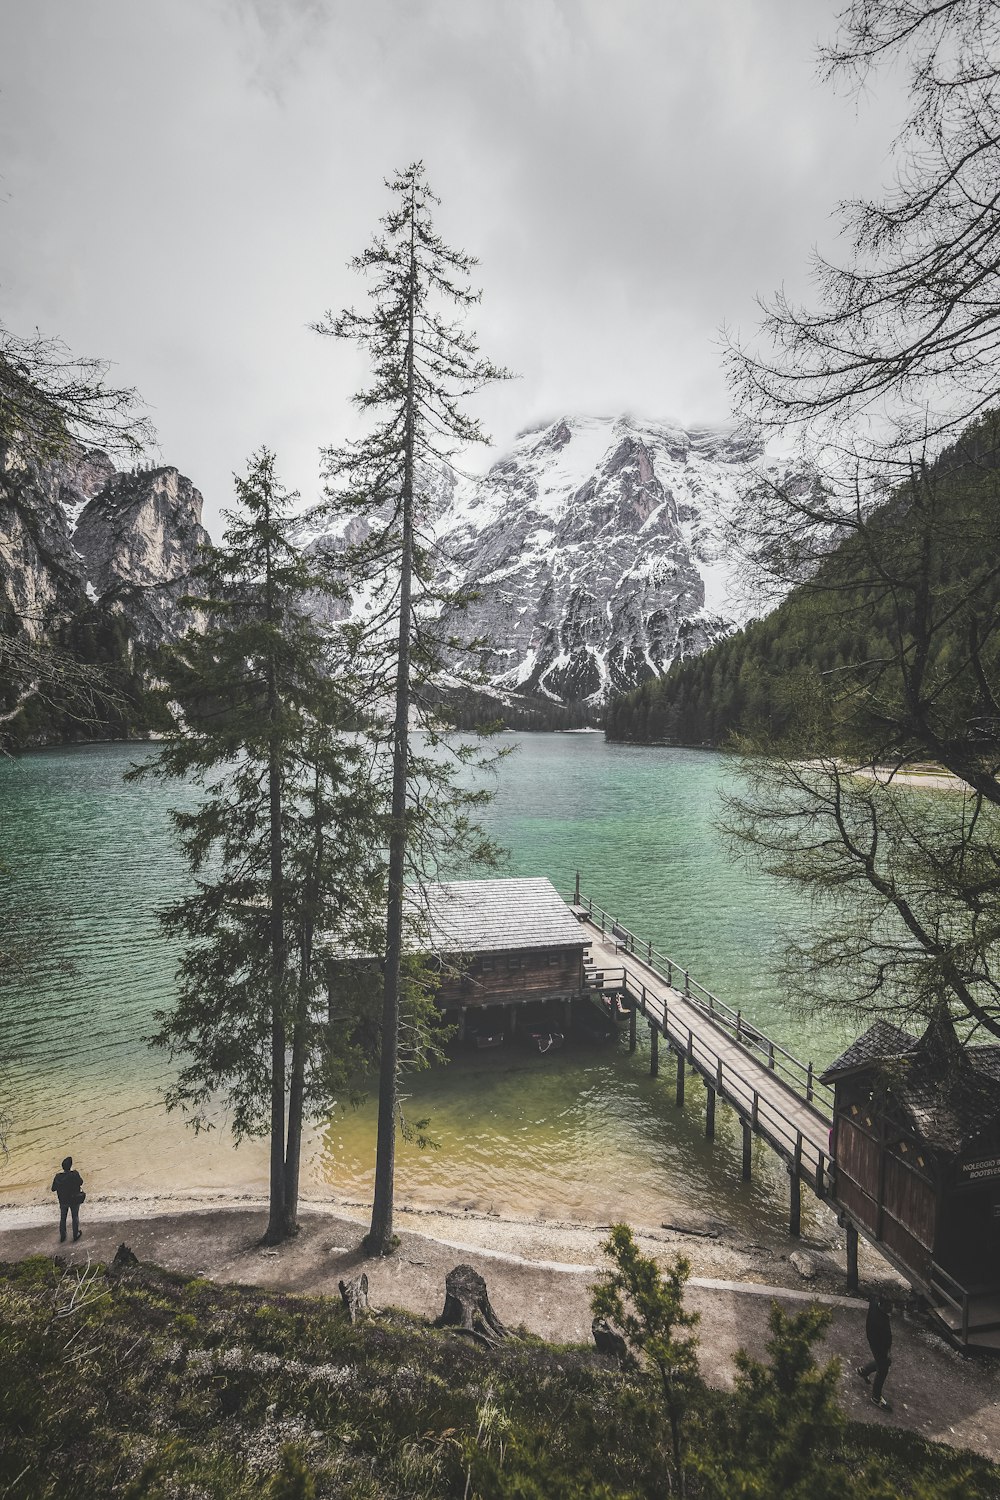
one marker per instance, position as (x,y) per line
(585,1133)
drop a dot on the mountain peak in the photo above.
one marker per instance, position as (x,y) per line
(594,546)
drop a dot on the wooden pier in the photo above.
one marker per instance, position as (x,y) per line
(775,1095)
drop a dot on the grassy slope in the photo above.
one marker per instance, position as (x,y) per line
(152,1385)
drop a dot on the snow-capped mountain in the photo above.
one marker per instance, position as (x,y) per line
(595,547)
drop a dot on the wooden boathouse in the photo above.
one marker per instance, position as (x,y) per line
(503,945)
(917,1150)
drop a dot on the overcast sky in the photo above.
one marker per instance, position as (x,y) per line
(183,181)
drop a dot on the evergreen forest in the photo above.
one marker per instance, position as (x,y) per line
(827,670)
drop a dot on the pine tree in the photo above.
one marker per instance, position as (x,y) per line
(281,843)
(423,368)
(649,1309)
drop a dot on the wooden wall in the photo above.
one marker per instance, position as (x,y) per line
(883,1186)
(513,976)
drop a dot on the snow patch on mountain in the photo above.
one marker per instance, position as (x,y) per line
(596,549)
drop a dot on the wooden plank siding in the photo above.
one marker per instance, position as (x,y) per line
(883,1189)
(513,977)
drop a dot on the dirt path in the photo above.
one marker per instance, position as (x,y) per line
(934,1390)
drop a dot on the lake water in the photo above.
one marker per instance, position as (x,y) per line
(583,1134)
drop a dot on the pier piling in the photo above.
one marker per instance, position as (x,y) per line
(773,1093)
(852,1258)
(795,1203)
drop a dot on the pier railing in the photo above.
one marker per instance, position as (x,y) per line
(798,1075)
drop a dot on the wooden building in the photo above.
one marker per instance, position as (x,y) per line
(503,949)
(505,943)
(916,1151)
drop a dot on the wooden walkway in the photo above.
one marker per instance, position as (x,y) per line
(775,1095)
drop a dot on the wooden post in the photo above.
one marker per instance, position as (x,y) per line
(654,1049)
(821,1176)
(770,1054)
(687,982)
(461,1023)
(631,1029)
(649,954)
(512,1019)
(809,1083)
(852,1258)
(710,1112)
(680,1078)
(576,891)
(747,1149)
(795,1191)
(739,1024)
(753,1114)
(795,1203)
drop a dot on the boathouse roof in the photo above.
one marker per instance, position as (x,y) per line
(488,916)
(480,916)
(951,1092)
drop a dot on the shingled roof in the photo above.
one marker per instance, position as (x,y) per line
(879,1043)
(487,916)
(951,1094)
(480,916)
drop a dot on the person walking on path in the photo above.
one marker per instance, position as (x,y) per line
(878,1330)
(68,1185)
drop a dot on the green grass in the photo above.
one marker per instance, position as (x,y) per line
(151,1385)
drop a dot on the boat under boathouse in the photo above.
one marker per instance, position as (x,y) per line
(916,1146)
(505,943)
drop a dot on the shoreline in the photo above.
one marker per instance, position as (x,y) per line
(563,1245)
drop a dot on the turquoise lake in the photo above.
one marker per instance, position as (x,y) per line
(583,1134)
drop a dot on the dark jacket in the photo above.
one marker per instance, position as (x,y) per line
(878,1328)
(68,1185)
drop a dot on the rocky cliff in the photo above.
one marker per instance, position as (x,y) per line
(595,549)
(75,533)
(594,546)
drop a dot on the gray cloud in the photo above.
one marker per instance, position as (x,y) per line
(183,184)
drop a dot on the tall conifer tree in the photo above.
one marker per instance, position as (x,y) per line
(281,843)
(423,367)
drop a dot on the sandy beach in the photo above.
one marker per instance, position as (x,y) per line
(539,1273)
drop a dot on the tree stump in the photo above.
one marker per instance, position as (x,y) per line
(125,1259)
(467,1308)
(355,1296)
(610,1340)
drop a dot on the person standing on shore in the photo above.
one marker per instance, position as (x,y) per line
(878,1330)
(68,1186)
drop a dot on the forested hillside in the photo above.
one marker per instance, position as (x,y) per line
(824,671)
